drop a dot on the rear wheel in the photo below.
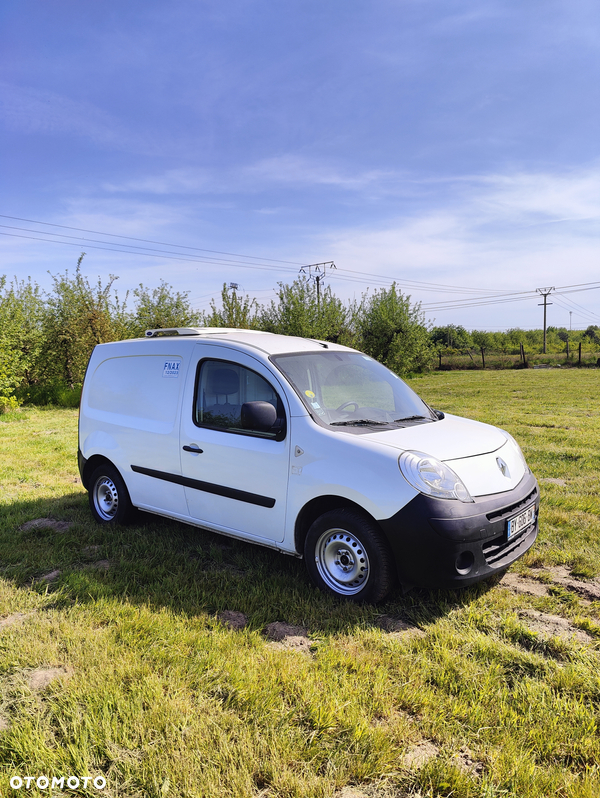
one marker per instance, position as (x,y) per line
(347,556)
(109,497)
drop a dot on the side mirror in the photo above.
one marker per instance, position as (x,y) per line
(258,416)
(440,414)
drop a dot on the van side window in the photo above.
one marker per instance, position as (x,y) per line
(221,390)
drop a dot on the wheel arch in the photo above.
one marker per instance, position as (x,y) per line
(91,465)
(315,508)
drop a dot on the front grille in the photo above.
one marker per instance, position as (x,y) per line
(513,509)
(499,549)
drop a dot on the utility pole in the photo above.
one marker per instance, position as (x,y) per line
(545,292)
(316,272)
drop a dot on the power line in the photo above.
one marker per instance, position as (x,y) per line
(145,241)
(589,316)
(182,258)
(422,285)
(360,276)
(144,250)
(577,305)
(481,296)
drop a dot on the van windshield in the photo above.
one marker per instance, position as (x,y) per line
(350,389)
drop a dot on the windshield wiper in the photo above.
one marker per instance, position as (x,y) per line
(412,418)
(357,422)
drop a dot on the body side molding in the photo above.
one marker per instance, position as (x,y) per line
(207,487)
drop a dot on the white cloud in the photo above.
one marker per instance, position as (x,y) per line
(297,171)
(33,111)
(292,171)
(501,232)
(173,181)
(544,197)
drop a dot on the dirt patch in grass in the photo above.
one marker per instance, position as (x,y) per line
(559,575)
(553,626)
(419,754)
(101,565)
(464,760)
(234,619)
(589,589)
(51,577)
(351,792)
(523,585)
(45,523)
(90,550)
(399,627)
(285,635)
(13,619)
(554,480)
(375,791)
(40,678)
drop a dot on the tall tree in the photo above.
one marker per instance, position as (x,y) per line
(161,308)
(299,310)
(21,342)
(394,331)
(235,310)
(77,317)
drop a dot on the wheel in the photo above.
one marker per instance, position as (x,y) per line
(347,556)
(344,405)
(109,497)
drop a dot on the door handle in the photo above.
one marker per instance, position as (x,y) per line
(193,449)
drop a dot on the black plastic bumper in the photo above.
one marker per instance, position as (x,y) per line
(439,543)
(81,461)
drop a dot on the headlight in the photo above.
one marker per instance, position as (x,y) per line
(512,442)
(430,476)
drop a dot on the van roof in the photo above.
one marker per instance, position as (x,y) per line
(271,343)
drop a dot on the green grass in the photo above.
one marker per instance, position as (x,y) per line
(162,699)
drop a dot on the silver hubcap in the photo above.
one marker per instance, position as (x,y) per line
(106,498)
(342,561)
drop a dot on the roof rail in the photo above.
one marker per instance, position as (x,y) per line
(173,331)
(202,331)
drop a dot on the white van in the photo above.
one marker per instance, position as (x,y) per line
(308,447)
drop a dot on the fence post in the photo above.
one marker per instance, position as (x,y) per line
(580,353)
(482,357)
(567,349)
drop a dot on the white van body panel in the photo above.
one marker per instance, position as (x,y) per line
(482,474)
(452,438)
(354,467)
(130,413)
(470,448)
(240,462)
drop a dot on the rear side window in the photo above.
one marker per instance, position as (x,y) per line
(221,390)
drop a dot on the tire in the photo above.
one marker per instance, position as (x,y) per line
(347,556)
(109,497)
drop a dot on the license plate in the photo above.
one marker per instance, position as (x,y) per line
(520,522)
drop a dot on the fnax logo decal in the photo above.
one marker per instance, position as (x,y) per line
(171,368)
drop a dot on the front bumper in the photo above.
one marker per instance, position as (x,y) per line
(440,543)
(81,461)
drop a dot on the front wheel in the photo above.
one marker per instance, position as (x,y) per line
(109,497)
(347,556)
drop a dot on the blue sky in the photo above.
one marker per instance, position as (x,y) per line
(450,145)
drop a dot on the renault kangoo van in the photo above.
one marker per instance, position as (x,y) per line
(308,447)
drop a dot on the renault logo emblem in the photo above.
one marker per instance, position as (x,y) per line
(503,467)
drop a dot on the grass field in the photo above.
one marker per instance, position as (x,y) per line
(120,656)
